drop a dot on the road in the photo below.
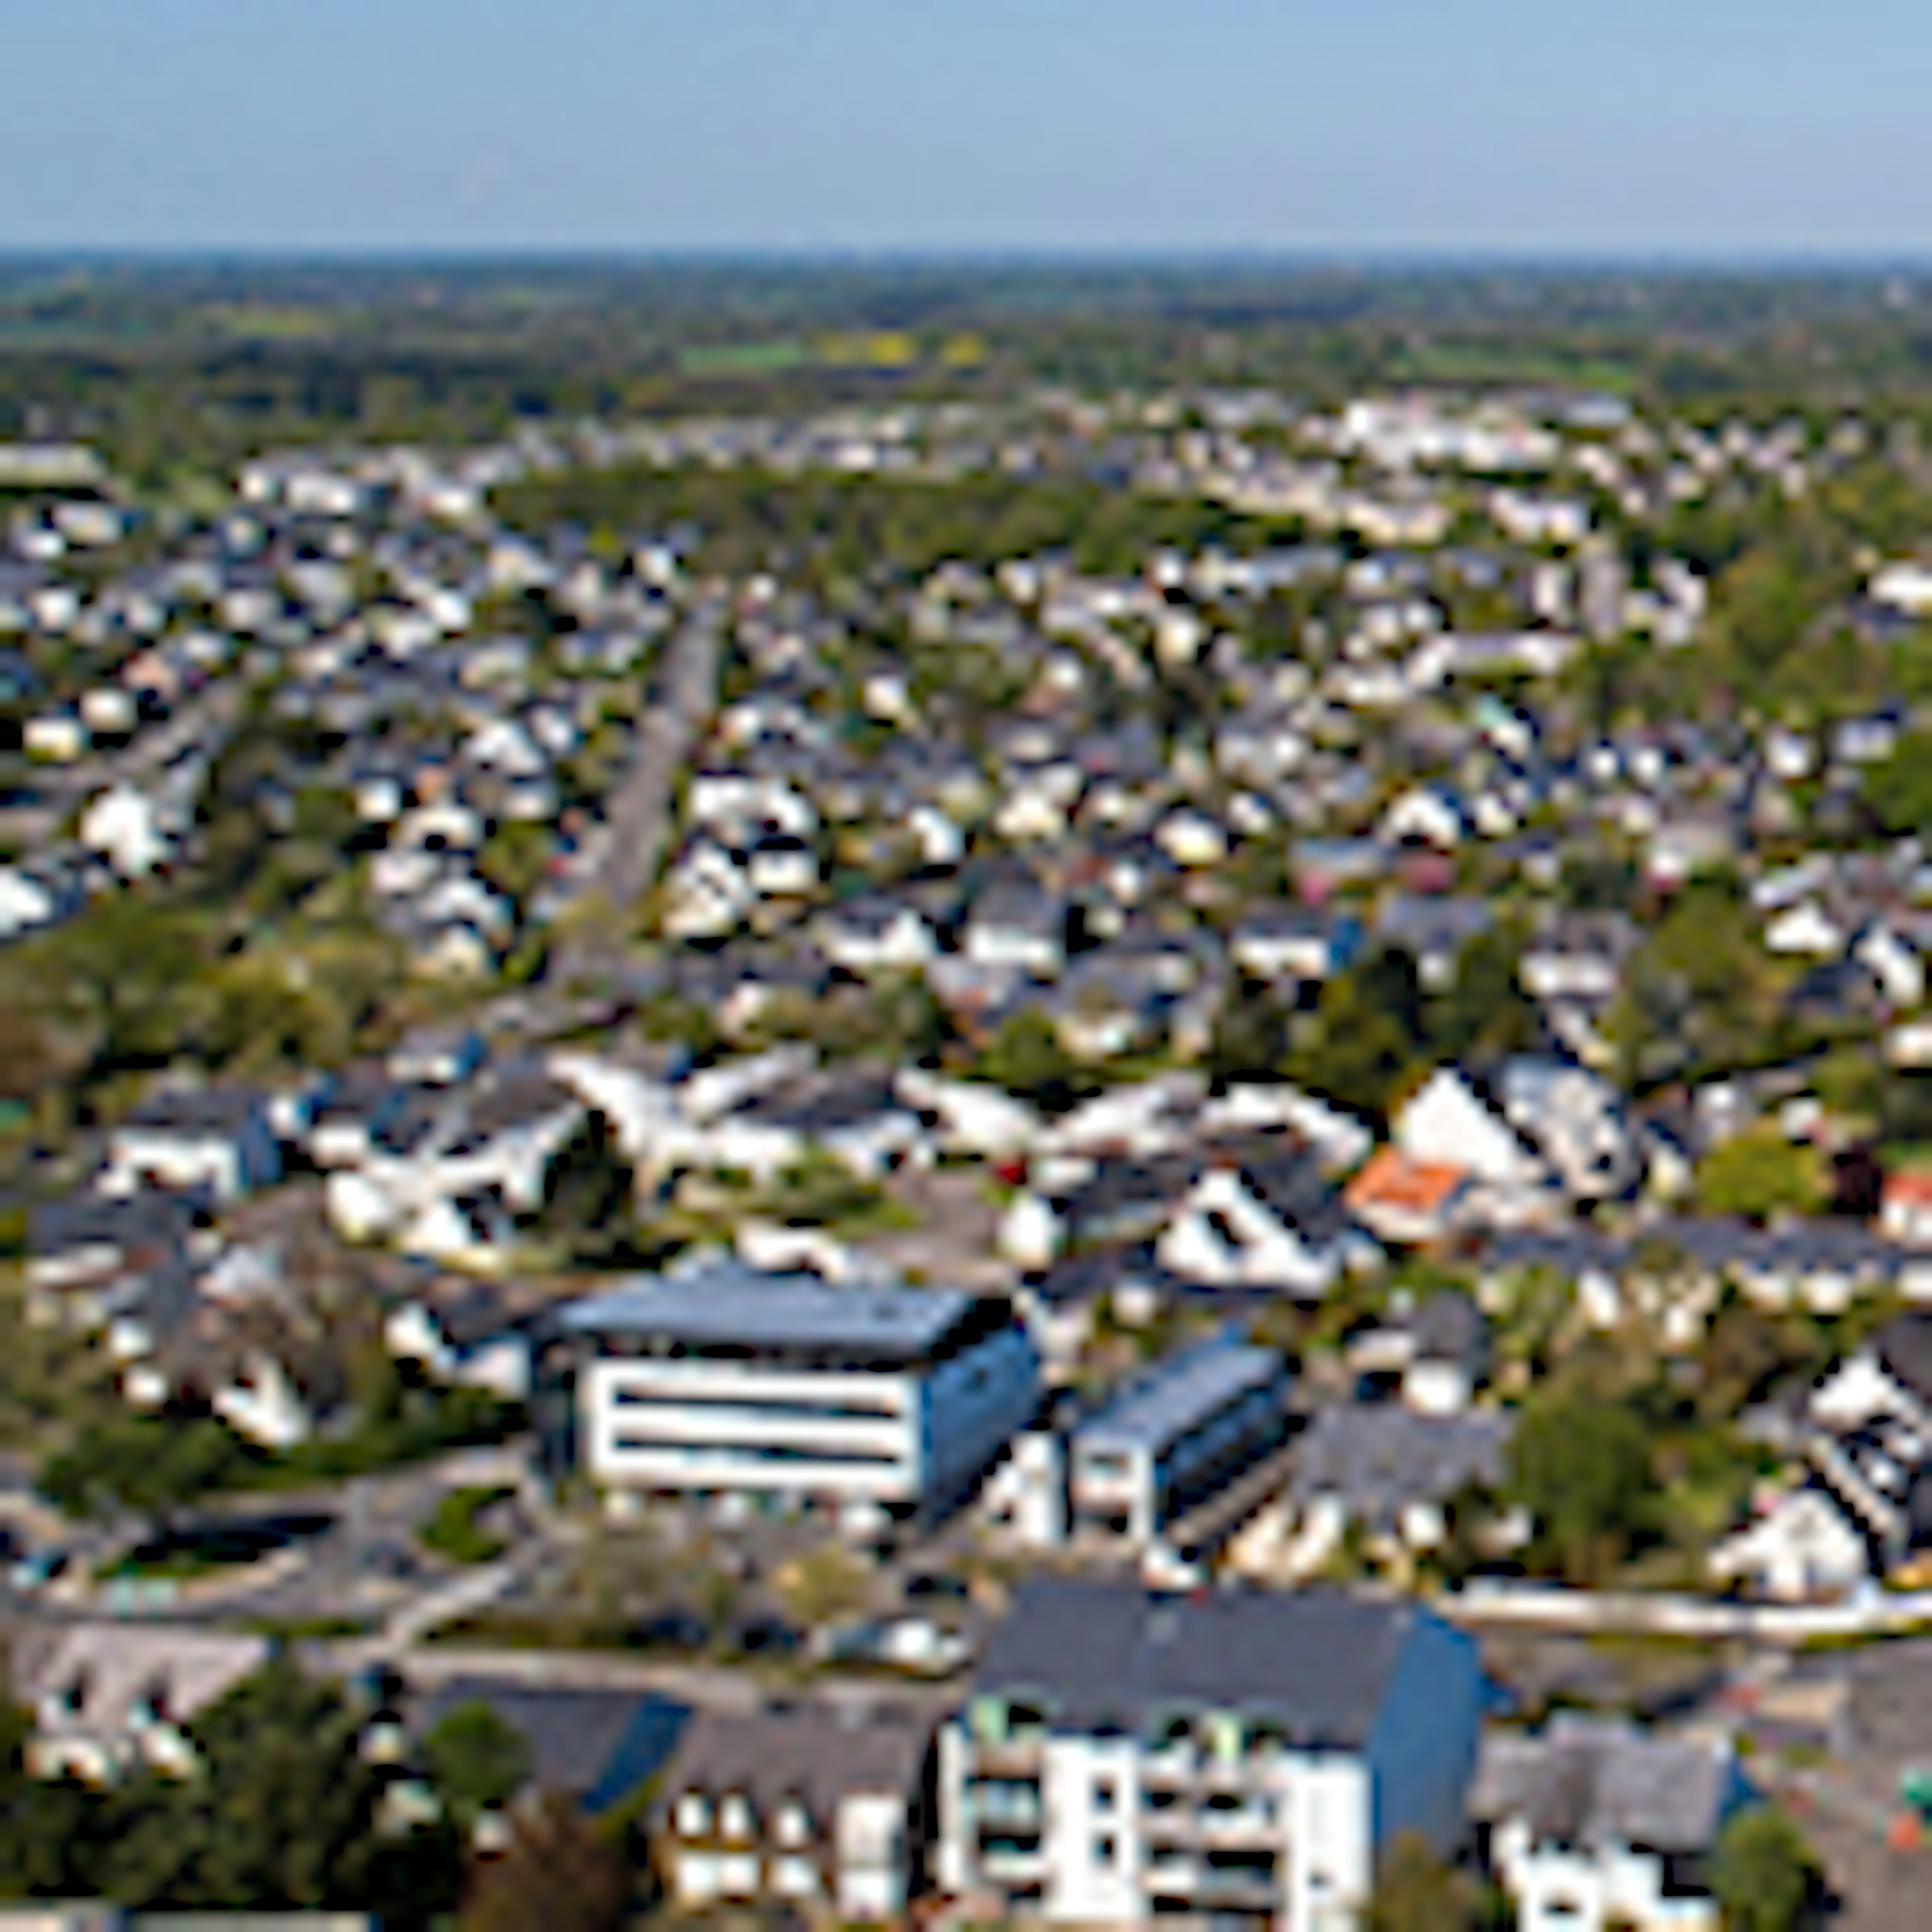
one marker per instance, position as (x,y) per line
(629,844)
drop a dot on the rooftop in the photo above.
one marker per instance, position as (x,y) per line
(1178,1393)
(727,1303)
(1319,1662)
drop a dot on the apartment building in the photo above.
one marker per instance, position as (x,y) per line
(1240,1759)
(1168,1440)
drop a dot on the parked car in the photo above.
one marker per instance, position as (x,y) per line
(674,1629)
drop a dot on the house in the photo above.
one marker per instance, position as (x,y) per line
(1015,922)
(1389,1472)
(1575,1119)
(109,1699)
(1295,943)
(1434,1354)
(824,1809)
(875,934)
(463,1333)
(1594,1825)
(1408,1201)
(1801,1547)
(878,1402)
(1450,1121)
(86,1245)
(1124,1757)
(1174,1436)
(221,1139)
(437,1056)
(1905,1207)
(1266,1218)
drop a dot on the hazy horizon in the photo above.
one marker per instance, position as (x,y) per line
(1495,131)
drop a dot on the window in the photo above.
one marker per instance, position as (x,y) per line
(1105,1850)
(1104,1795)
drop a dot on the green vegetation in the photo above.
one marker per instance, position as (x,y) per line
(1765,1876)
(478,1761)
(282,1812)
(452,1529)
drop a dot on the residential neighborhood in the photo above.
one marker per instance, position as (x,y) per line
(921,1216)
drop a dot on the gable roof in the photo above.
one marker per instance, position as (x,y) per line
(814,1755)
(1598,1784)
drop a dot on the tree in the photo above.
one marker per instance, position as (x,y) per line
(148,1465)
(478,1760)
(1758,1173)
(824,1584)
(1764,1874)
(1415,1892)
(1026,1057)
(556,1873)
(291,1815)
(1580,1464)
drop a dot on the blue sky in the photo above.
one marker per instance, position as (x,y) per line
(1743,127)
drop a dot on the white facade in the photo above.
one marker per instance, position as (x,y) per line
(832,1407)
(1559,1888)
(1218,1812)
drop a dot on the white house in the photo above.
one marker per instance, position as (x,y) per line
(1802,1547)
(1446,1122)
(221,1139)
(1270,1220)
(1595,1826)
(816,1808)
(1246,1756)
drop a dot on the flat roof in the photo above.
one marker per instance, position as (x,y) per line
(730,1303)
(1177,1394)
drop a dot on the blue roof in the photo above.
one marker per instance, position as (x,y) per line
(1177,1395)
(728,1303)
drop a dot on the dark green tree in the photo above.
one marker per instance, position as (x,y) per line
(1580,1463)
(478,1760)
(1765,1875)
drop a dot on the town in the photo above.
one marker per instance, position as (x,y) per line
(1102,1154)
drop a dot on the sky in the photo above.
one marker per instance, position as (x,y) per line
(1751,128)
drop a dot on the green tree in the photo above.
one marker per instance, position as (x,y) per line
(478,1760)
(291,1813)
(148,1465)
(1416,1891)
(1026,1057)
(1758,1173)
(1579,1463)
(1765,1875)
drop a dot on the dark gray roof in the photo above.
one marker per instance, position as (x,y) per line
(729,1303)
(1904,1346)
(1592,1782)
(813,1755)
(1378,1458)
(1104,1654)
(106,1220)
(198,1110)
(598,1746)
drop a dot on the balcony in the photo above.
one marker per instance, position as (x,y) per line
(1014,1803)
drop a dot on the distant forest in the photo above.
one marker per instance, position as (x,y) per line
(178,367)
